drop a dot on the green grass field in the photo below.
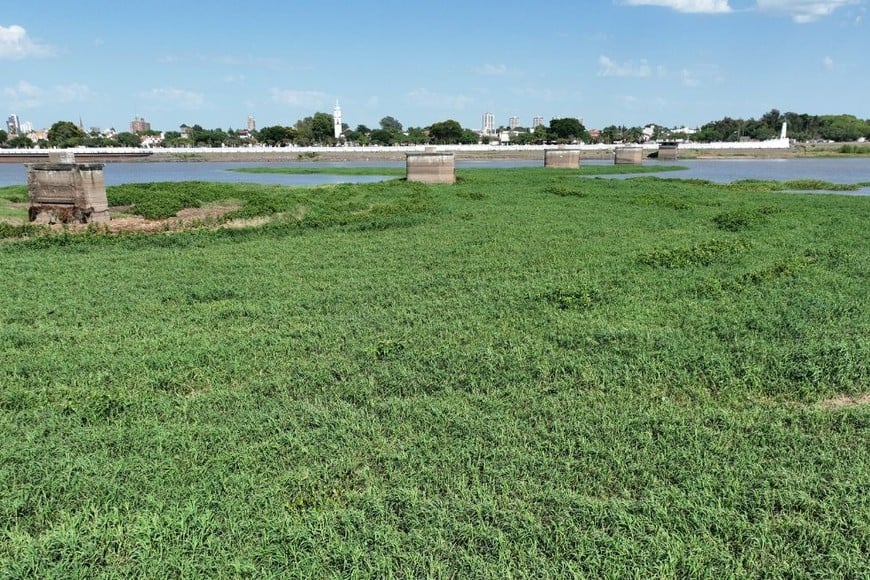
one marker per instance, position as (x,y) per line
(526,374)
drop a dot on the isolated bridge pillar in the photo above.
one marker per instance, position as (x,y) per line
(430,166)
(668,151)
(562,158)
(628,156)
(62,191)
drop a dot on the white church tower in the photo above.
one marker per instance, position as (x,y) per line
(336,121)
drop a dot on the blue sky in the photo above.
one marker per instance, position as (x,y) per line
(628,62)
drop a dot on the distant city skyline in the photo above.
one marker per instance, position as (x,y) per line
(623,62)
(139,124)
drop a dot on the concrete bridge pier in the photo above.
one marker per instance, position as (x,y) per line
(63,191)
(431,166)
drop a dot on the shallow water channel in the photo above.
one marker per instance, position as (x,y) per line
(852,170)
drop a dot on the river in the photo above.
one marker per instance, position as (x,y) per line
(851,170)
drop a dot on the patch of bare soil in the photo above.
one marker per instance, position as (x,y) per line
(209,212)
(845,401)
(184,219)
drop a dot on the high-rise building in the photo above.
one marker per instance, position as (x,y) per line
(336,121)
(537,122)
(514,122)
(139,125)
(13,126)
(488,124)
(252,123)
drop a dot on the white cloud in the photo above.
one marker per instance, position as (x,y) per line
(298,98)
(25,95)
(688,6)
(15,44)
(803,11)
(492,70)
(175,97)
(689,79)
(828,63)
(244,61)
(425,98)
(22,88)
(607,67)
(73,92)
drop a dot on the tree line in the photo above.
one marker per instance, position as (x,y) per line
(318,130)
(801,127)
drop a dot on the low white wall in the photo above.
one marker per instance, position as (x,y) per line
(771,144)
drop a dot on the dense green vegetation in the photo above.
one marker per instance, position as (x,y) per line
(9,196)
(527,373)
(854,149)
(320,205)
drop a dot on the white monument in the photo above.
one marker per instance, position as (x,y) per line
(782,133)
(336,121)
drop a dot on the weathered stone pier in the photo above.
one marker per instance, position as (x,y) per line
(63,191)
(628,156)
(430,166)
(562,158)
(668,150)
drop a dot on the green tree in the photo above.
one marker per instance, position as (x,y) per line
(65,134)
(568,129)
(174,139)
(659,132)
(469,137)
(391,125)
(361,135)
(20,142)
(523,138)
(315,130)
(322,128)
(726,129)
(541,135)
(446,132)
(759,130)
(772,120)
(127,139)
(276,135)
(841,127)
(3,136)
(417,136)
(382,137)
(207,137)
(610,134)
(633,135)
(97,141)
